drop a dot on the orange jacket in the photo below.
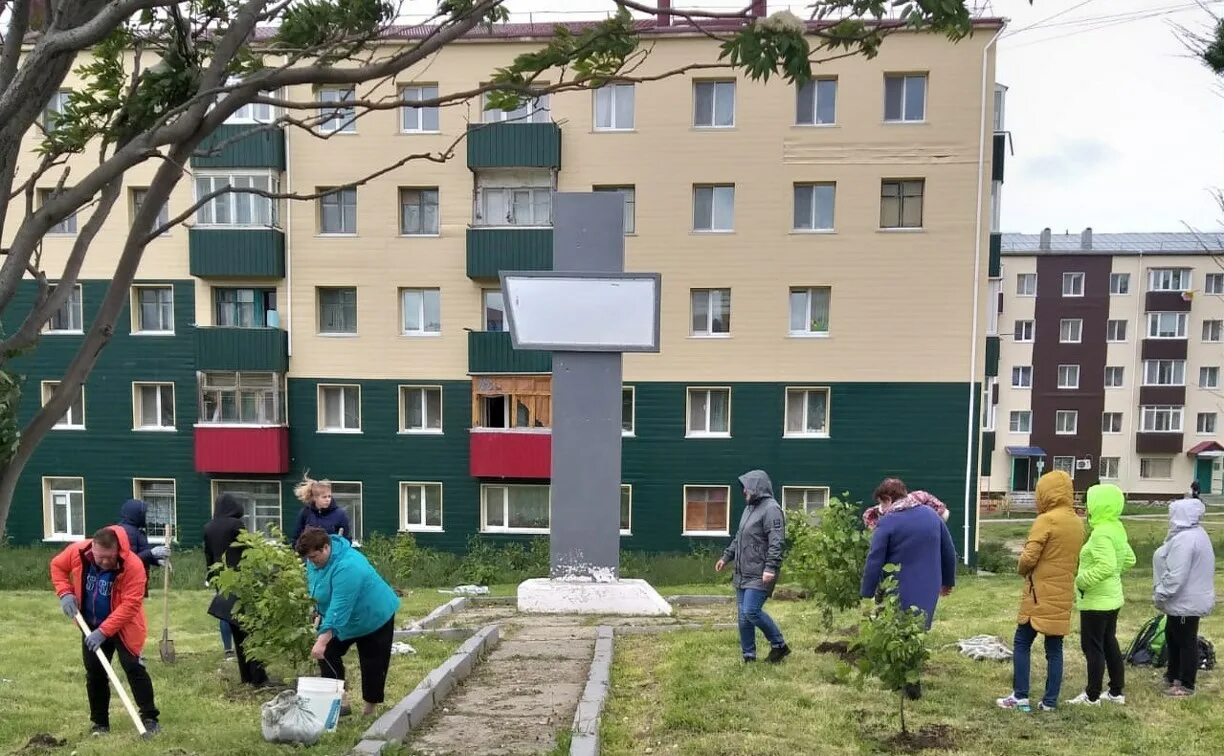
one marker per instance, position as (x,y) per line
(127,619)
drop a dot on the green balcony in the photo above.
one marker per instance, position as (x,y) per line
(998,157)
(996,256)
(992,356)
(514,145)
(490,352)
(241,146)
(988,447)
(237,252)
(221,348)
(490,250)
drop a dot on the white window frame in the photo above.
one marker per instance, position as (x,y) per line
(320,391)
(55,106)
(138,417)
(1023,370)
(1115,370)
(1068,376)
(811,515)
(251,519)
(1175,366)
(1066,463)
(539,197)
(425,389)
(137,310)
(1111,329)
(532,109)
(413,120)
(1024,331)
(1213,331)
(905,78)
(424,194)
(809,295)
(138,492)
(505,528)
(812,223)
(1109,471)
(259,388)
(255,205)
(1022,284)
(485,309)
(337,120)
(75,531)
(719,85)
(627,488)
(1119,284)
(1107,424)
(1145,469)
(805,392)
(405,487)
(695,296)
(1073,284)
(1199,423)
(631,431)
(75,308)
(1070,330)
(718,224)
(1213,283)
(338,201)
(66,422)
(613,93)
(421,309)
(689,432)
(1209,377)
(1020,421)
(1150,415)
(812,91)
(1062,427)
(138,194)
(1156,321)
(1170,279)
(705,533)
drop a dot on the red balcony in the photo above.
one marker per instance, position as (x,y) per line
(235,449)
(506,453)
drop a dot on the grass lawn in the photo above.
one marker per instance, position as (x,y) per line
(204,709)
(688,693)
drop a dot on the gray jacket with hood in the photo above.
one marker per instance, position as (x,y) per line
(757,546)
(1183,568)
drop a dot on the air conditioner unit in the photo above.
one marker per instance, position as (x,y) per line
(1083,464)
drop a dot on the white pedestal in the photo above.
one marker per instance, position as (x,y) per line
(586,596)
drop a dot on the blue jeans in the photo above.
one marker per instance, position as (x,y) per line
(1025,635)
(749,603)
(227,637)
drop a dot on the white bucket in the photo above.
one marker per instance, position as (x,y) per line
(322,696)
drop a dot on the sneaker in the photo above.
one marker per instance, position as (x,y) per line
(1041,706)
(1177,691)
(151,727)
(749,659)
(346,710)
(778,653)
(1083,698)
(229,656)
(1011,702)
(98,730)
(1119,700)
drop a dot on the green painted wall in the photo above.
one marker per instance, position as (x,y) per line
(219,348)
(492,250)
(260,148)
(998,157)
(992,356)
(514,145)
(491,352)
(236,253)
(996,255)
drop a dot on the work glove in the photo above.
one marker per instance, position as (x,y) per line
(94,640)
(69,605)
(161,552)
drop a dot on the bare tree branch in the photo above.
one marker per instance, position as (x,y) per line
(96,29)
(19,21)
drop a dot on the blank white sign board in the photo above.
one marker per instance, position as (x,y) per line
(583,312)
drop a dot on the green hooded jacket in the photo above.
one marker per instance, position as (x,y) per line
(1106,553)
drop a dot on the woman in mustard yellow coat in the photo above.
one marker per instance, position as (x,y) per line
(1048,565)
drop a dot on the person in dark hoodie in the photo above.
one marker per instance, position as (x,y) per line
(133,518)
(319,510)
(220,534)
(756,551)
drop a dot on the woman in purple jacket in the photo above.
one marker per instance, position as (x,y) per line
(319,510)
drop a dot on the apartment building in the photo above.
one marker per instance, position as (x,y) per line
(808,240)
(1110,362)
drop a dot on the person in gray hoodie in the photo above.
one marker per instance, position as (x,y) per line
(756,551)
(1183,588)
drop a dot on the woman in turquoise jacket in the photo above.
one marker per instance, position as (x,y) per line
(1098,594)
(355,606)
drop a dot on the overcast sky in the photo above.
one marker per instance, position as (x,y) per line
(1114,125)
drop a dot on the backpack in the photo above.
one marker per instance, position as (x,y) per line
(1148,647)
(1206,654)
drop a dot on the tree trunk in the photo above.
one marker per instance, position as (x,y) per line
(902,697)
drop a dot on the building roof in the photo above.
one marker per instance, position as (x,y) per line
(1155,243)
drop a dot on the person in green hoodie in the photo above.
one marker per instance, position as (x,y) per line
(1098,591)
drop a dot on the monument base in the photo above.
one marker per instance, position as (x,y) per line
(586,596)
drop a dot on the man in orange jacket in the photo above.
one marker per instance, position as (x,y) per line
(105,581)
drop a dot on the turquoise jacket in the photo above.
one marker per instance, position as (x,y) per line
(353,599)
(1106,553)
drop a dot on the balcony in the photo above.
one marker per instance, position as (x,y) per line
(236,252)
(1158,443)
(1151,395)
(228,148)
(998,156)
(1167,301)
(1164,349)
(992,356)
(511,453)
(995,263)
(514,145)
(491,352)
(222,348)
(236,449)
(491,249)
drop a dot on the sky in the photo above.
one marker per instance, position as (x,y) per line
(1114,125)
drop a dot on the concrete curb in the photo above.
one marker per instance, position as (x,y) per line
(411,711)
(450,607)
(585,731)
(659,629)
(446,633)
(495,600)
(699,600)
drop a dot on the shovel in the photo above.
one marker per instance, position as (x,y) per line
(110,672)
(166,647)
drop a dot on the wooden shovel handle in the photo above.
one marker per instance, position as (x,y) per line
(110,672)
(166,582)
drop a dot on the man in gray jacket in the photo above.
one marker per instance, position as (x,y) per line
(1183,587)
(756,551)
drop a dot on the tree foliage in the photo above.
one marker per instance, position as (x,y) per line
(827,558)
(892,642)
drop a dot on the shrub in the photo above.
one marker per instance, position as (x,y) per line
(827,559)
(996,558)
(482,563)
(892,641)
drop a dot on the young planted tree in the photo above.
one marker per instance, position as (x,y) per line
(892,643)
(154,79)
(827,559)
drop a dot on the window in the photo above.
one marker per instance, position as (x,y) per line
(1115,376)
(1169,279)
(713,104)
(347,496)
(54,108)
(816,103)
(1209,377)
(1115,330)
(1020,421)
(1111,422)
(153,309)
(260,500)
(905,97)
(421,507)
(512,401)
(420,409)
(1024,331)
(1068,376)
(1167,325)
(990,407)
(154,406)
(236,208)
(628,407)
(424,119)
(901,203)
(709,412)
(1119,283)
(1022,376)
(626,509)
(1109,468)
(808,501)
(1162,419)
(338,212)
(1070,330)
(337,310)
(519,508)
(1205,422)
(1073,284)
(1156,468)
(340,408)
(1164,372)
(64,508)
(242,398)
(418,211)
(807,412)
(159,495)
(1000,103)
(614,107)
(251,112)
(68,318)
(1066,464)
(74,416)
(530,110)
(996,207)
(630,195)
(66,226)
(814,206)
(422,311)
(809,311)
(340,118)
(1026,284)
(494,310)
(1066,422)
(1213,331)
(138,199)
(1214,283)
(994,305)
(707,510)
(515,206)
(713,207)
(243,308)
(711,309)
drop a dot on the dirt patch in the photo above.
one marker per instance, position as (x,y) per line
(43,742)
(841,649)
(931,737)
(787,593)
